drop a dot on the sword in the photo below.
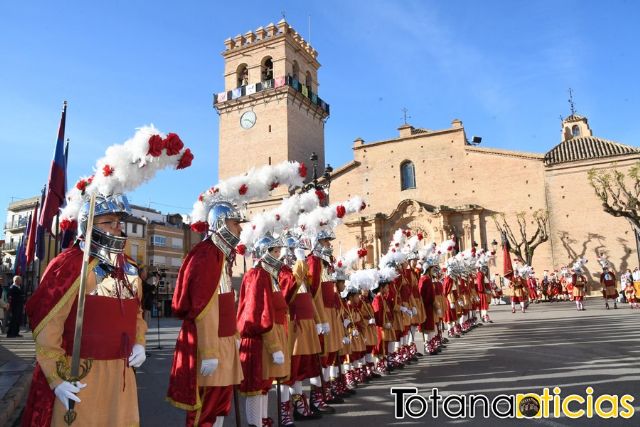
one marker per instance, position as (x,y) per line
(75,373)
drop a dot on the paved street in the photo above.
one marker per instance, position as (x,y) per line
(551,345)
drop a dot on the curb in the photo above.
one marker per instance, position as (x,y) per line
(13,402)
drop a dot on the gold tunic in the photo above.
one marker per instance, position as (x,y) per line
(110,397)
(212,346)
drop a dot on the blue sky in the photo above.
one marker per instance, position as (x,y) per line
(503,68)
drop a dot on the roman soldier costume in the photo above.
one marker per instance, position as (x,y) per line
(206,362)
(113,331)
(579,282)
(263,316)
(482,285)
(608,283)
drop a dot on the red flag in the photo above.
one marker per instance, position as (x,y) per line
(506,259)
(57,176)
(31,240)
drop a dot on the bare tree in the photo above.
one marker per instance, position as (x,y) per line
(619,195)
(524,244)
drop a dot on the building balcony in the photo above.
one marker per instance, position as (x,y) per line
(10,247)
(248,90)
(17,225)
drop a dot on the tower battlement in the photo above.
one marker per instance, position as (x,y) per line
(262,34)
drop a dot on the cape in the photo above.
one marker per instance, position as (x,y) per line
(57,286)
(197,281)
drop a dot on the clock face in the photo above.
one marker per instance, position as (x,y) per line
(248,119)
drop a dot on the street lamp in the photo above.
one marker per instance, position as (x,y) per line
(313,184)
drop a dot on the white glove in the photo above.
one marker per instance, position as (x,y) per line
(387,325)
(406,311)
(237,344)
(346,340)
(346,322)
(208,366)
(355,333)
(372,321)
(452,305)
(278,357)
(138,356)
(299,253)
(326,328)
(439,311)
(319,329)
(65,391)
(414,310)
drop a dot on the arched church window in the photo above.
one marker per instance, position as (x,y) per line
(407,176)
(295,70)
(575,130)
(308,80)
(267,69)
(242,75)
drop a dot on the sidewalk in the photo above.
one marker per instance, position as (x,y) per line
(16,366)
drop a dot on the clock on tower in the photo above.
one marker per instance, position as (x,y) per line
(269,109)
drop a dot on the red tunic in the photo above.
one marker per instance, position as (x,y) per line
(198,279)
(608,282)
(60,274)
(383,315)
(109,330)
(482,292)
(428,295)
(256,316)
(450,314)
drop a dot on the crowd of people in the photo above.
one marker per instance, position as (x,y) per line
(303,317)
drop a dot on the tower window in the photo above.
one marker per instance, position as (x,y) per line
(267,69)
(242,75)
(407,176)
(308,80)
(575,130)
(295,70)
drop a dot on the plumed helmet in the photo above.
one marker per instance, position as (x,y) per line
(268,241)
(221,211)
(117,204)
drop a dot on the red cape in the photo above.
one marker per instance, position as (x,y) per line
(197,281)
(256,316)
(60,274)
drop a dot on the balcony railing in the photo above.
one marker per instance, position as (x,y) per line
(19,223)
(271,84)
(10,246)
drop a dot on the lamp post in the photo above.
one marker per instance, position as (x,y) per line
(326,176)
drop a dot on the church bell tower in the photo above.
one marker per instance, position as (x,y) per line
(270,110)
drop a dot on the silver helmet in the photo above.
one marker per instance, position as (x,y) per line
(220,233)
(262,252)
(104,246)
(291,244)
(413,256)
(323,252)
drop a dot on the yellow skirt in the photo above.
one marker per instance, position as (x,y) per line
(303,338)
(269,368)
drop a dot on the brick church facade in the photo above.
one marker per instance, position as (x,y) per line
(433,181)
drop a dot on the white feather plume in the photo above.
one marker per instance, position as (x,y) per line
(283,217)
(255,184)
(324,217)
(387,274)
(124,167)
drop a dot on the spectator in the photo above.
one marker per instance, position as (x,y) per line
(4,307)
(625,280)
(148,293)
(16,307)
